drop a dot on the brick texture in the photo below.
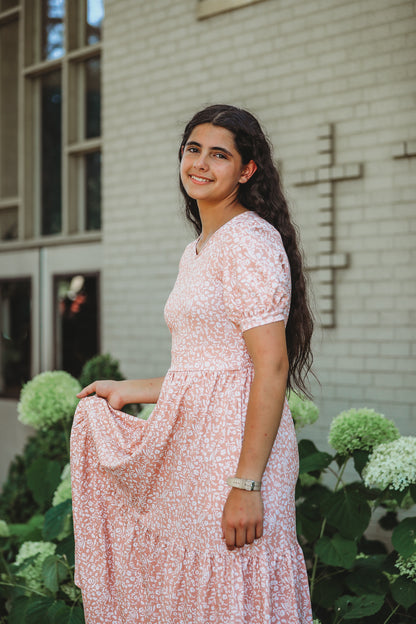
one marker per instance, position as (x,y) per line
(297,65)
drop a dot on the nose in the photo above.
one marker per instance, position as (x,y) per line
(200,162)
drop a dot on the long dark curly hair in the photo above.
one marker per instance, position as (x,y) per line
(263,194)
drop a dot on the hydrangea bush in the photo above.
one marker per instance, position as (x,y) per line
(304,412)
(392,465)
(360,430)
(48,398)
(353,578)
(29,563)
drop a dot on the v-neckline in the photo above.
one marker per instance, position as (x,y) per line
(197,253)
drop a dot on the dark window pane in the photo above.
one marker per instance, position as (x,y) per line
(93,98)
(15,303)
(8,223)
(8,4)
(8,108)
(51,142)
(95,15)
(93,191)
(77,321)
(53,12)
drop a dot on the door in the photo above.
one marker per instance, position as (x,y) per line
(49,320)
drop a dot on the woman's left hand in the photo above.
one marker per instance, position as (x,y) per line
(242,518)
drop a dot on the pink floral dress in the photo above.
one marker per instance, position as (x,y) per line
(148,496)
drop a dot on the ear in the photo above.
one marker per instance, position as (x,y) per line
(247,172)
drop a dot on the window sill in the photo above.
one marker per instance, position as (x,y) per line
(52,241)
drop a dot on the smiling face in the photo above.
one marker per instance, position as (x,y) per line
(211,167)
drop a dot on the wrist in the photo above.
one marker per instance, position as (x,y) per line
(249,485)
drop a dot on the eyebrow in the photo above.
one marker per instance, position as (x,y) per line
(213,148)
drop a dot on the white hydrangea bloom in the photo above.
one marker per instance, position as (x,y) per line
(407,566)
(62,493)
(304,412)
(392,464)
(32,571)
(66,472)
(4,529)
(146,411)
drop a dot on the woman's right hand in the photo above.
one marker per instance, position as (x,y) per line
(107,389)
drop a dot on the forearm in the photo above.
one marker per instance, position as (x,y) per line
(141,390)
(264,412)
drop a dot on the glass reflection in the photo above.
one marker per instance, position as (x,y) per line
(8,4)
(9,72)
(51,143)
(76,339)
(53,12)
(15,339)
(93,98)
(95,15)
(8,223)
(93,191)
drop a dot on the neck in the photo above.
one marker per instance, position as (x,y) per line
(213,217)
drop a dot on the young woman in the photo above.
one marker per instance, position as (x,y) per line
(189,518)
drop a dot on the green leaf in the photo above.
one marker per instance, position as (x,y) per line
(364,581)
(347,511)
(404,537)
(336,551)
(55,519)
(30,531)
(412,489)
(360,459)
(353,607)
(326,592)
(404,591)
(67,548)
(37,611)
(18,611)
(54,571)
(308,520)
(61,613)
(315,461)
(306,447)
(43,477)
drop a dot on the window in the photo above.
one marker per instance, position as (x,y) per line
(9,204)
(15,353)
(50,119)
(50,186)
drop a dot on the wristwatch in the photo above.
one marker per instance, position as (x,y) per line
(244,484)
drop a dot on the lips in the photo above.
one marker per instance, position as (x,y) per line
(199,179)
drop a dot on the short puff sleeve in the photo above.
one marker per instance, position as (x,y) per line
(256,279)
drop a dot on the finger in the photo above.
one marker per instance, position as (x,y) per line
(229,535)
(250,534)
(259,530)
(240,537)
(86,391)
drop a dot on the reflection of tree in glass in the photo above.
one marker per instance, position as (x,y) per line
(51,139)
(53,12)
(95,15)
(93,191)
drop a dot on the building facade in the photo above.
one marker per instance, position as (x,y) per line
(91,111)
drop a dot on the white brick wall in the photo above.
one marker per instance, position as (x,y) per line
(296,65)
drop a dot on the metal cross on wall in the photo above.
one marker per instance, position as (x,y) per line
(327,260)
